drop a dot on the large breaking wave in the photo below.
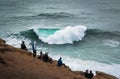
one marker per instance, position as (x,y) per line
(61,36)
(69,35)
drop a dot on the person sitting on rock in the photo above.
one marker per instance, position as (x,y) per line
(45,57)
(50,60)
(41,55)
(60,63)
(91,75)
(23,46)
(86,74)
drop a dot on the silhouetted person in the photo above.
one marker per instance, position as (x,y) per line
(60,63)
(34,53)
(33,45)
(23,46)
(34,50)
(91,75)
(50,60)
(41,55)
(45,57)
(86,74)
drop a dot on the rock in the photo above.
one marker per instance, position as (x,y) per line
(2,41)
(102,75)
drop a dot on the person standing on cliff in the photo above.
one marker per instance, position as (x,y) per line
(34,49)
(23,46)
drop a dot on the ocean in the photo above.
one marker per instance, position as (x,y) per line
(85,33)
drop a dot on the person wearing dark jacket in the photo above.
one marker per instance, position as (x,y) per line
(86,74)
(23,46)
(91,75)
(45,57)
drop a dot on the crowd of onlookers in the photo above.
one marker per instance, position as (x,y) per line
(42,56)
(46,58)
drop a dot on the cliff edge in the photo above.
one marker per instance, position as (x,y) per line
(16,63)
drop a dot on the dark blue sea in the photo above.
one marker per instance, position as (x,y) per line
(85,33)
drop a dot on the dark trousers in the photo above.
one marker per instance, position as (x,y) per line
(34,53)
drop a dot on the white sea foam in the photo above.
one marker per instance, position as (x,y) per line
(16,42)
(66,35)
(81,65)
(111,43)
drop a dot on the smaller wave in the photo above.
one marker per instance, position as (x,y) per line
(55,15)
(45,16)
(112,10)
(96,33)
(66,35)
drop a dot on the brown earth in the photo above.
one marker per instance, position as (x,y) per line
(16,63)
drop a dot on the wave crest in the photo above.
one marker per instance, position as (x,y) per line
(66,35)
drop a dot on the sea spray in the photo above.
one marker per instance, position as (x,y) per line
(66,35)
